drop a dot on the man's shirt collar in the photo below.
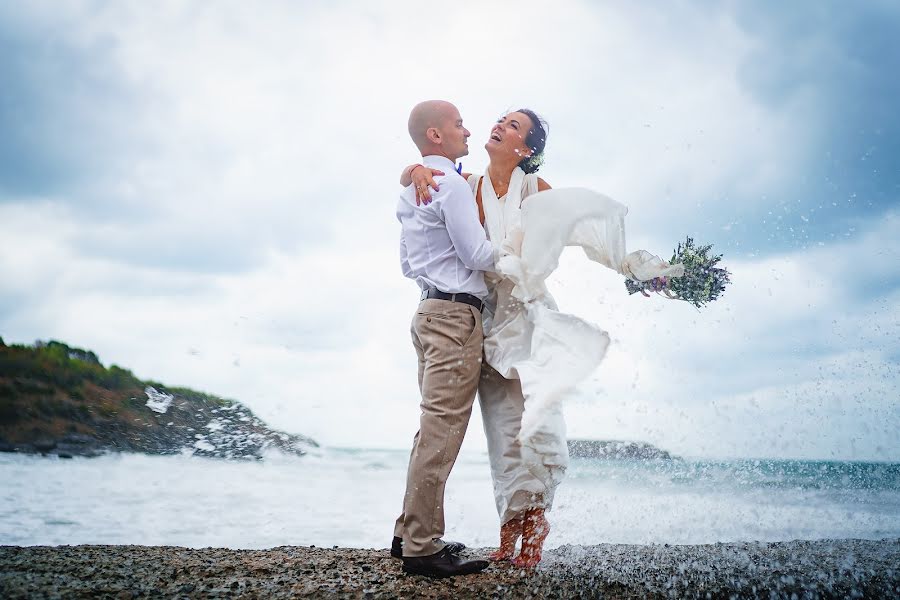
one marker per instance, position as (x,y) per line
(442,163)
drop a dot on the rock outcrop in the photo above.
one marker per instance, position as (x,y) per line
(59,400)
(616,449)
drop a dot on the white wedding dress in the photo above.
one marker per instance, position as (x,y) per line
(535,354)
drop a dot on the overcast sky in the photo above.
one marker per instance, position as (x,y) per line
(204,193)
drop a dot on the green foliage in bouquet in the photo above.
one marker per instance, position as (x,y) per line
(701,283)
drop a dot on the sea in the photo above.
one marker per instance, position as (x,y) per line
(350,497)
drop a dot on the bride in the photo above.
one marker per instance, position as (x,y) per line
(534,355)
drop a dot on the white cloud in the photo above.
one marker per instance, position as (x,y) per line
(242,239)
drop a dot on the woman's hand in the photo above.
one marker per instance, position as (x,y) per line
(657,284)
(422,179)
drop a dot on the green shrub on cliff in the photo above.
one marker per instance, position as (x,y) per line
(63,366)
(51,385)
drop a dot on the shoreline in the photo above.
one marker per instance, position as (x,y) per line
(809,569)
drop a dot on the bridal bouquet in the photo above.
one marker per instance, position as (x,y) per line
(702,281)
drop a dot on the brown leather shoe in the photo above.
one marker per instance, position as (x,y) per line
(442,564)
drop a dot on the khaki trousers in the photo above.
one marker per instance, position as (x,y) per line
(448,339)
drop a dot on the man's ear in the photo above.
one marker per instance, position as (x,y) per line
(433,135)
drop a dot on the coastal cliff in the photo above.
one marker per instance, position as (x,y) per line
(60,400)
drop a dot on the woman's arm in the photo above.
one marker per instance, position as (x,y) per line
(479,203)
(406,175)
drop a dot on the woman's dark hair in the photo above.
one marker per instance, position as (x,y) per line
(536,140)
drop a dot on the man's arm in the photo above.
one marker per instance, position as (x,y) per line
(404,256)
(461,218)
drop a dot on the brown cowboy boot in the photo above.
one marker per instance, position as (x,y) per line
(509,534)
(535,530)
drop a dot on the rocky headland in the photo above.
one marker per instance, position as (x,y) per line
(59,400)
(617,449)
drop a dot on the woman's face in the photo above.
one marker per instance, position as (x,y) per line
(508,136)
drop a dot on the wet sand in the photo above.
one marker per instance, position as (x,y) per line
(807,569)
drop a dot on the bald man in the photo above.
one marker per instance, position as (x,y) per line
(444,249)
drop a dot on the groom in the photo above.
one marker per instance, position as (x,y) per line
(444,248)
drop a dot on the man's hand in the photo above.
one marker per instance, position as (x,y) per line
(423,178)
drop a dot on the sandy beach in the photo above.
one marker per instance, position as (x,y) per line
(809,569)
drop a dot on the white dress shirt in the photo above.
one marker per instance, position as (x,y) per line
(443,244)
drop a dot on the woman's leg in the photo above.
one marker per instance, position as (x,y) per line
(535,529)
(515,488)
(510,532)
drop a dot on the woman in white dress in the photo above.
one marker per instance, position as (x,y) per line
(534,355)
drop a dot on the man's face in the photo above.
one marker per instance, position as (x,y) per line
(454,137)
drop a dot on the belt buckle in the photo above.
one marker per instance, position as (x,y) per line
(423,295)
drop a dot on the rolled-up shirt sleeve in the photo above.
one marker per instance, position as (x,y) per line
(460,215)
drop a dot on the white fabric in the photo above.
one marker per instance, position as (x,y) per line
(504,214)
(501,399)
(442,244)
(550,352)
(502,406)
